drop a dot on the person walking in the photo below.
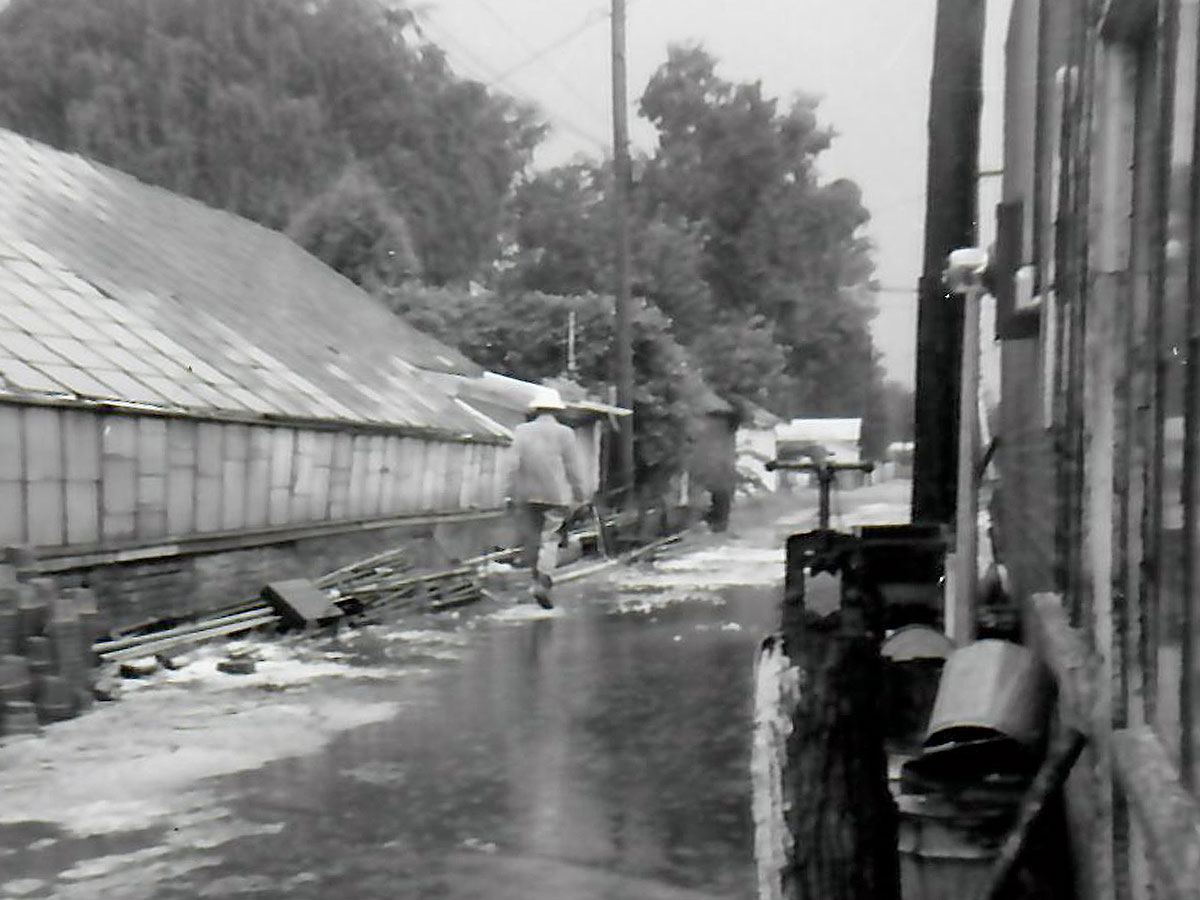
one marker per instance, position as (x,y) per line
(544,483)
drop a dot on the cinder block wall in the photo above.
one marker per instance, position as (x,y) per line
(188,584)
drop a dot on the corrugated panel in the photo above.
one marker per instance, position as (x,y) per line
(111,289)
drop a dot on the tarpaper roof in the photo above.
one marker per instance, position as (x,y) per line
(114,290)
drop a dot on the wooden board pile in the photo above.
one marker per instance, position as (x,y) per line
(390,579)
(47,663)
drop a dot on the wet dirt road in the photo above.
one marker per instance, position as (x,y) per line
(598,753)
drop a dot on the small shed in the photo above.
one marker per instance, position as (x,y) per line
(755,441)
(191,404)
(832,439)
(821,440)
(505,400)
(712,456)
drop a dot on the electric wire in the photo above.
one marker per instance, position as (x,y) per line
(433,32)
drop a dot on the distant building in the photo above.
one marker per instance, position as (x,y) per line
(506,401)
(191,404)
(756,446)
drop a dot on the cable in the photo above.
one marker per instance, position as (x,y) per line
(435,34)
(554,70)
(598,15)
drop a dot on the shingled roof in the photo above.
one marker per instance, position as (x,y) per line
(115,290)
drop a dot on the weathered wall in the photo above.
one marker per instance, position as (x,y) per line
(73,478)
(186,582)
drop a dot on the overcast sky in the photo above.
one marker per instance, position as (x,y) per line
(869,61)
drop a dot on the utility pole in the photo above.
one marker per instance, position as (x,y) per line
(621,183)
(950,222)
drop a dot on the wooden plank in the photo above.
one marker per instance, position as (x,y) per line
(303,476)
(258,477)
(181,477)
(414,451)
(339,482)
(152,446)
(432,474)
(12,512)
(82,512)
(43,444)
(45,501)
(11,464)
(471,465)
(282,451)
(389,475)
(81,439)
(150,517)
(209,449)
(119,477)
(452,480)
(375,465)
(151,512)
(234,465)
(358,477)
(322,476)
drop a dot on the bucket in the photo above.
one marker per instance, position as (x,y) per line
(947,852)
(990,689)
(913,658)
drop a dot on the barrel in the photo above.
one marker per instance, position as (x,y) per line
(989,689)
(947,852)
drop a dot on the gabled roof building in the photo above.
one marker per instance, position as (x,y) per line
(177,382)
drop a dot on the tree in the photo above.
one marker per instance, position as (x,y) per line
(776,242)
(524,334)
(352,228)
(256,105)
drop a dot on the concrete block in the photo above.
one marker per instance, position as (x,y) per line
(8,631)
(31,614)
(19,717)
(139,668)
(242,665)
(39,653)
(16,684)
(56,700)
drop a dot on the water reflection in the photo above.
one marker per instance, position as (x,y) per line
(592,755)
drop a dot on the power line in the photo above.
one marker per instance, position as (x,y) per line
(485,73)
(520,38)
(596,16)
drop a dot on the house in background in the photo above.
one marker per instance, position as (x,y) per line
(755,443)
(821,440)
(191,405)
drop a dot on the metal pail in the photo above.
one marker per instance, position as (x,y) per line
(990,687)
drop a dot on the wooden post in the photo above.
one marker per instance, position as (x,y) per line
(826,823)
(950,217)
(621,181)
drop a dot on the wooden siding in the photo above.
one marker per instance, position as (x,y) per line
(92,478)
